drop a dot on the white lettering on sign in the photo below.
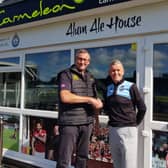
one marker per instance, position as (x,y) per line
(105,1)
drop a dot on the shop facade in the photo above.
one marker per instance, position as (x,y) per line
(38,39)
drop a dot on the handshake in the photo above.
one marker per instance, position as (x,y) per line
(95,102)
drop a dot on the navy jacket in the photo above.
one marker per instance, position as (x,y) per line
(123,104)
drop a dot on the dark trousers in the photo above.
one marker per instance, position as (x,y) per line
(74,137)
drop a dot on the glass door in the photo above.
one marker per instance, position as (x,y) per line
(156,121)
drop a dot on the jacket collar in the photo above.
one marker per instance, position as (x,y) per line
(73,68)
(109,81)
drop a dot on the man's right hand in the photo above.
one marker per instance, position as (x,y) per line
(96,103)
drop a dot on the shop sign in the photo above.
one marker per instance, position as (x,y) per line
(25,11)
(98,25)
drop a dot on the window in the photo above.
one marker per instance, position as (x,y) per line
(41,72)
(49,129)
(10,89)
(160,74)
(9,62)
(101,57)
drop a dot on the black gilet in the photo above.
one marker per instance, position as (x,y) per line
(78,113)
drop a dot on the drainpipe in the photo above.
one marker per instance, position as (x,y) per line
(1,139)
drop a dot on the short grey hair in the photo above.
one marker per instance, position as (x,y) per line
(116,61)
(81,51)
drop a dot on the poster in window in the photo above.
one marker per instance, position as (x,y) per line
(10,132)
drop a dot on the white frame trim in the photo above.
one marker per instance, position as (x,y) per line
(149,123)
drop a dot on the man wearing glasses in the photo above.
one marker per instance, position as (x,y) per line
(77,106)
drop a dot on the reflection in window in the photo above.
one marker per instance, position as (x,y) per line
(101,57)
(160,102)
(10,89)
(12,61)
(41,71)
